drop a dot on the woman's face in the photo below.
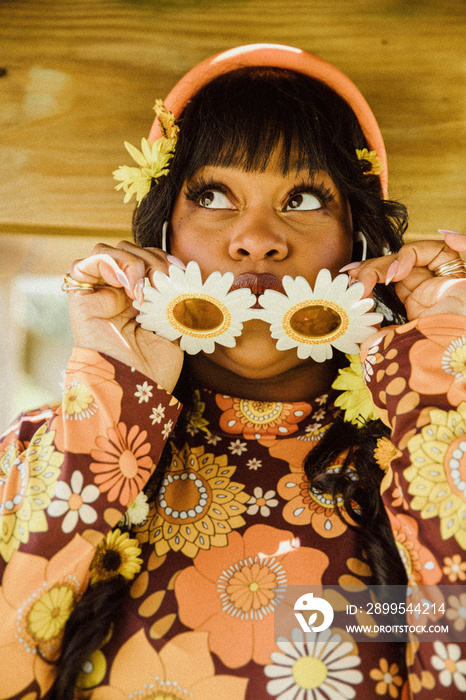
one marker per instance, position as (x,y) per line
(261,226)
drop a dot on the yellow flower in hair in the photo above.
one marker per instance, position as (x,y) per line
(166,120)
(355,399)
(153,158)
(372,157)
(115,555)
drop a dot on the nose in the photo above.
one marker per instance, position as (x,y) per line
(258,238)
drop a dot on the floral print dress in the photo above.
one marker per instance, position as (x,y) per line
(231,526)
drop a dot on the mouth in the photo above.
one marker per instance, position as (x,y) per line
(257,283)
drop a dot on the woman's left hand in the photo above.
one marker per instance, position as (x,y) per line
(412,269)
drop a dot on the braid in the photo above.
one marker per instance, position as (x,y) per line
(361,495)
(85,631)
(93,616)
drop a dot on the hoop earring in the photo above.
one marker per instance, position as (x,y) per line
(164,236)
(359,237)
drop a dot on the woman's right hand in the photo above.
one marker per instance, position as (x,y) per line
(105,319)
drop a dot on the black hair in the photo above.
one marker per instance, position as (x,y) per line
(239,119)
(242,117)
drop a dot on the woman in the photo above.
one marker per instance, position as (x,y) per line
(138,571)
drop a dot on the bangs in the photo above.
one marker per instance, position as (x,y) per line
(244,123)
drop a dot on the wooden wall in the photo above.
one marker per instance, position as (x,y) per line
(81,76)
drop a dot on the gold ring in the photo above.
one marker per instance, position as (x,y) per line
(70,285)
(451,269)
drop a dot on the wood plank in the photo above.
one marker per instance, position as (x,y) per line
(82,76)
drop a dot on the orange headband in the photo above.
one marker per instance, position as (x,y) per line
(280,57)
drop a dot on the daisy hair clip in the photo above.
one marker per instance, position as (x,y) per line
(314,321)
(153,158)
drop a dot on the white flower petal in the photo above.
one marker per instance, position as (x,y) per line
(298,640)
(279,686)
(297,289)
(354,293)
(341,691)
(338,287)
(57,508)
(346,345)
(323,281)
(280,659)
(437,663)
(441,650)
(460,681)
(319,353)
(90,493)
(287,647)
(343,649)
(445,678)
(62,490)
(347,676)
(284,342)
(279,671)
(70,521)
(88,514)
(77,481)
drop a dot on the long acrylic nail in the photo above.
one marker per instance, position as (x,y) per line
(139,291)
(122,279)
(350,266)
(176,261)
(443,231)
(391,272)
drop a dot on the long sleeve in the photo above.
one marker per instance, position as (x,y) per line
(67,476)
(417,376)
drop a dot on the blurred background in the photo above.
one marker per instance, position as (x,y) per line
(79,77)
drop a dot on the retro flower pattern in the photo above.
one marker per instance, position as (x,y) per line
(308,506)
(457,611)
(450,664)
(388,680)
(122,464)
(27,485)
(80,418)
(420,564)
(233,595)
(73,501)
(446,346)
(234,526)
(198,504)
(321,666)
(437,475)
(183,668)
(259,419)
(36,599)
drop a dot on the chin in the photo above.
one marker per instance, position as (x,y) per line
(256,360)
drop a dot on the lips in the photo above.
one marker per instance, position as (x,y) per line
(257,283)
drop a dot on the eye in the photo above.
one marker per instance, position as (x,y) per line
(214,199)
(303,201)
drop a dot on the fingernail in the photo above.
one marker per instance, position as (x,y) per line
(350,266)
(391,272)
(139,291)
(122,279)
(176,261)
(448,230)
